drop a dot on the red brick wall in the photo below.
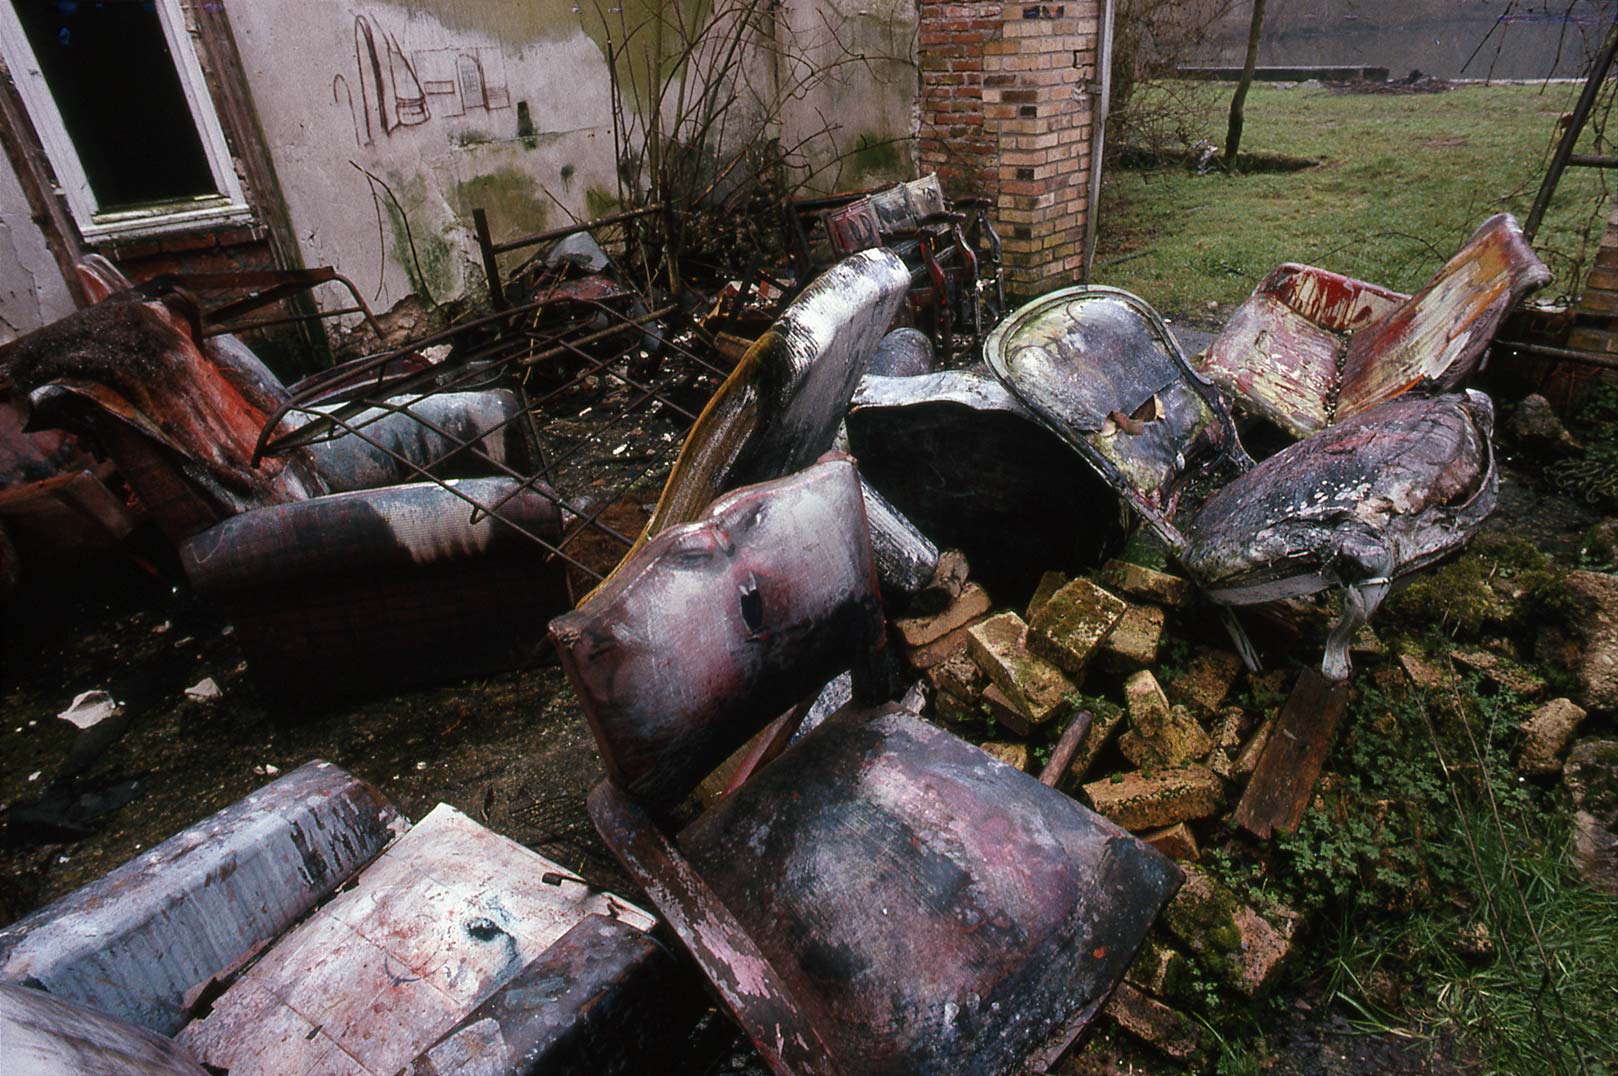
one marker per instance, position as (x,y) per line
(1006,112)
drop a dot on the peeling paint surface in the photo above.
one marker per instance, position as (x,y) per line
(448,915)
(1311,347)
(140,940)
(767,590)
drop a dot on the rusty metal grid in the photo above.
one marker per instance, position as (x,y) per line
(605,419)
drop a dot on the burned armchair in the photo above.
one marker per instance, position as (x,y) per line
(1357,506)
(1311,347)
(883,897)
(331,584)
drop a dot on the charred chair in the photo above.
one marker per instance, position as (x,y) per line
(332,585)
(883,897)
(1310,347)
(1358,506)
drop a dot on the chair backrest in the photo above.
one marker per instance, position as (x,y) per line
(133,374)
(1100,368)
(779,409)
(1440,333)
(715,628)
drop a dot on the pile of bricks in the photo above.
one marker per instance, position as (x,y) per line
(1164,758)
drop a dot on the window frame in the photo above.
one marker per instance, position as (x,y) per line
(227,207)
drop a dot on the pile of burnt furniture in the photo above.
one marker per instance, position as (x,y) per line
(863,890)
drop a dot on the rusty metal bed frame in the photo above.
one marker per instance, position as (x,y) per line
(568,358)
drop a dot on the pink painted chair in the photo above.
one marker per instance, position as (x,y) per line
(1311,347)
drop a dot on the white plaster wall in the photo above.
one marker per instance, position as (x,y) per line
(865,91)
(310,90)
(32,291)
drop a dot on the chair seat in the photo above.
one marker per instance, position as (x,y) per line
(1374,496)
(932,909)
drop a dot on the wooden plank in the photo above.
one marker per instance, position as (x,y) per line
(1281,785)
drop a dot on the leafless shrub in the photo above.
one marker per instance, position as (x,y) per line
(1154,113)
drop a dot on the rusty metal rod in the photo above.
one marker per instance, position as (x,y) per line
(572,229)
(1562,354)
(1067,747)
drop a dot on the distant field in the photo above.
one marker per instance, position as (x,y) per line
(1402,181)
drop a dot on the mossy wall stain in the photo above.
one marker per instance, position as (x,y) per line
(875,158)
(599,201)
(420,249)
(514,22)
(514,200)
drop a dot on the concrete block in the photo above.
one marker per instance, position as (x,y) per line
(926,656)
(1176,842)
(999,645)
(1005,712)
(1207,680)
(1105,720)
(1156,587)
(1155,1023)
(959,675)
(969,605)
(1546,734)
(1049,584)
(1236,944)
(1014,755)
(1138,800)
(1180,740)
(1148,706)
(1136,639)
(1158,969)
(1071,624)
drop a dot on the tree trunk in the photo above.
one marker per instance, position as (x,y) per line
(1233,133)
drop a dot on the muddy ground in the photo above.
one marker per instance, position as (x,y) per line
(511,751)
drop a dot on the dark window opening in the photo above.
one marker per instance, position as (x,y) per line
(110,72)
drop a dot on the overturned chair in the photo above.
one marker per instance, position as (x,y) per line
(1312,347)
(340,571)
(883,897)
(1358,506)
(310,930)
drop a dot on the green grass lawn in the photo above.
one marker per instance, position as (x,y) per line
(1401,183)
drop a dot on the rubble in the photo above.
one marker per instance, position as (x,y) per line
(1533,425)
(1135,642)
(1106,719)
(1176,842)
(1071,623)
(1140,800)
(967,608)
(1207,680)
(1546,734)
(1147,704)
(1233,942)
(1153,1022)
(1158,969)
(1036,688)
(1014,755)
(1005,712)
(1591,775)
(89,708)
(1179,740)
(1596,626)
(1049,584)
(1146,584)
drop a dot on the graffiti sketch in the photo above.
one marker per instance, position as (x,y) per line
(398,91)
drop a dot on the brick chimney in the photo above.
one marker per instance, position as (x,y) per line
(1006,113)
